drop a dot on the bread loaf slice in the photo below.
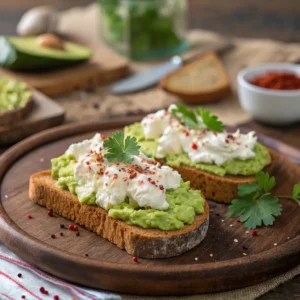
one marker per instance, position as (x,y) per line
(203,80)
(221,189)
(147,243)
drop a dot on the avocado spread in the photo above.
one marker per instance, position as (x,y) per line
(13,94)
(234,167)
(184,203)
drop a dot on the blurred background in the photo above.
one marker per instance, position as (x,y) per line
(248,18)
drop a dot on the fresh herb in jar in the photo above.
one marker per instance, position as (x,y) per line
(145,25)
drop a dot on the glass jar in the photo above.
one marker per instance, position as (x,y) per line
(144,29)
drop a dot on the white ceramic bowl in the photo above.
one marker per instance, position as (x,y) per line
(278,107)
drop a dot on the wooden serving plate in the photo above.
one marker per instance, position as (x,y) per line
(217,264)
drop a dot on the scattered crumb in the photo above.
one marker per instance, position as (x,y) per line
(245,254)
(288,237)
(231,225)
(5,196)
(211,255)
(275,244)
(196,258)
(236,240)
(247,232)
(222,220)
(42,159)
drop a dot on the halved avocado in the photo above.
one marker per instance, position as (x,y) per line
(25,54)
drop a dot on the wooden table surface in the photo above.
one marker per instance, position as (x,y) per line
(275,19)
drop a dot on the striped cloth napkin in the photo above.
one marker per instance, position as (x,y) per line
(18,280)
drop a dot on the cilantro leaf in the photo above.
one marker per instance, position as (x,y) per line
(119,149)
(209,120)
(265,181)
(186,115)
(256,212)
(296,193)
(245,189)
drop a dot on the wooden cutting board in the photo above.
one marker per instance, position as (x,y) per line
(229,257)
(105,67)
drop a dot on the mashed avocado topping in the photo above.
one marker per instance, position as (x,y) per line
(13,94)
(142,193)
(233,167)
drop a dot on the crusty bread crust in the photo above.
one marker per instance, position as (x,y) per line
(13,116)
(201,96)
(147,243)
(218,188)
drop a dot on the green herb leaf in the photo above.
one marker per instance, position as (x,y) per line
(120,149)
(296,193)
(265,181)
(256,212)
(246,189)
(209,120)
(186,115)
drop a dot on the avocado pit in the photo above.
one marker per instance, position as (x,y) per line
(52,41)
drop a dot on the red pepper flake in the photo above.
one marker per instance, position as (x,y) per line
(135,259)
(77,233)
(151,181)
(106,173)
(103,137)
(277,81)
(90,169)
(115,176)
(53,236)
(61,234)
(149,207)
(56,297)
(19,275)
(194,146)
(161,187)
(87,162)
(29,216)
(254,232)
(133,175)
(50,213)
(43,291)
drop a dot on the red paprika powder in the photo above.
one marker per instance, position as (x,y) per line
(277,81)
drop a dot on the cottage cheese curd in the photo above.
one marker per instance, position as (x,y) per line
(201,145)
(143,181)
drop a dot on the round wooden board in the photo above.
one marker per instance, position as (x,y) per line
(217,264)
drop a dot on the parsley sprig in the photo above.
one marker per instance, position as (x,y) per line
(256,205)
(121,149)
(189,118)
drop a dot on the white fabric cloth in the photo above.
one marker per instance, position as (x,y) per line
(31,280)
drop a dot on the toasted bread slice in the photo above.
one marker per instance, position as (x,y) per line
(9,117)
(147,243)
(218,188)
(203,80)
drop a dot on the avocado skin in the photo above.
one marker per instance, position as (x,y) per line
(14,59)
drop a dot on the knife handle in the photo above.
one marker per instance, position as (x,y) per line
(218,48)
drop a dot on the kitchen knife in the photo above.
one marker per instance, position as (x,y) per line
(153,75)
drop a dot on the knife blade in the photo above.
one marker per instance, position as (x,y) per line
(153,75)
